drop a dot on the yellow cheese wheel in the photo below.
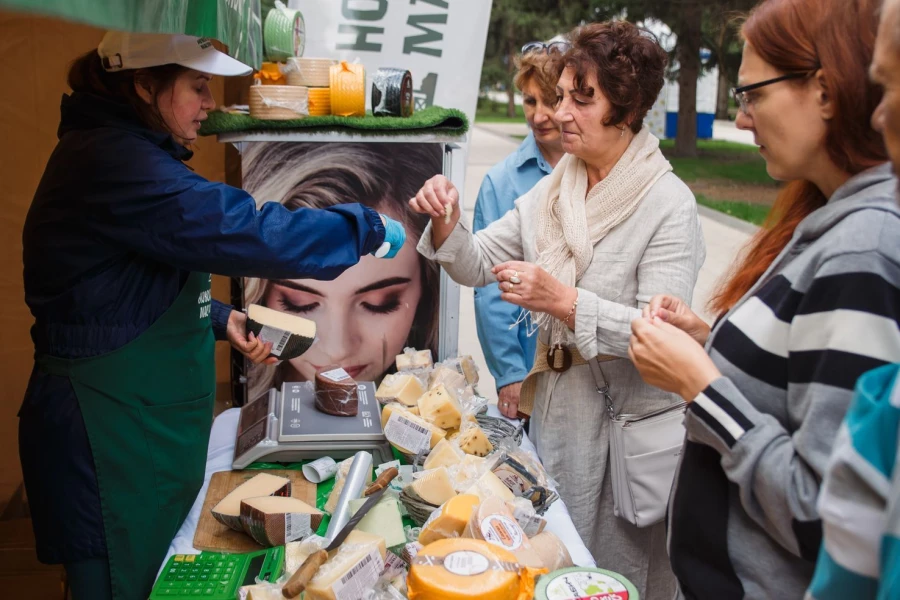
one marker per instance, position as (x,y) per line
(319,102)
(348,89)
(493,522)
(454,569)
(270,74)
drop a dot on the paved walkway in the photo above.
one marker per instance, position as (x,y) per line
(490,143)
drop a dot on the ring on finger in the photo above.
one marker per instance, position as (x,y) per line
(515,279)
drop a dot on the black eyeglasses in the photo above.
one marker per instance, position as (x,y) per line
(551,48)
(740,93)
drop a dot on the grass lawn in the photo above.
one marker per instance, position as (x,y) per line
(754,213)
(493,112)
(717,159)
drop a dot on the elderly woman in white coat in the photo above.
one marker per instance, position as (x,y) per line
(584,251)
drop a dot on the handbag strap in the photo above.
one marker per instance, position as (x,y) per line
(602,386)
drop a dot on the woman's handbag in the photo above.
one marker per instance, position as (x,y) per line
(643,451)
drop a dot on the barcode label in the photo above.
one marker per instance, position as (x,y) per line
(336,375)
(278,337)
(361,578)
(296,526)
(406,434)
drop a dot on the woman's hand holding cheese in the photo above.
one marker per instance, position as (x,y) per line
(438,198)
(531,287)
(247,344)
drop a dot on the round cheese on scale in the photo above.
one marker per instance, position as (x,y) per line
(336,392)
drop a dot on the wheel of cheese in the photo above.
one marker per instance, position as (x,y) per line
(583,582)
(552,551)
(336,392)
(279,102)
(309,72)
(493,522)
(348,89)
(290,335)
(392,93)
(319,102)
(284,33)
(457,569)
(228,510)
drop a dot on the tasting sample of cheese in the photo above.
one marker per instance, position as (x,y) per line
(440,407)
(290,335)
(352,569)
(336,392)
(399,387)
(276,520)
(493,522)
(457,569)
(414,359)
(473,440)
(228,510)
(444,454)
(450,520)
(552,551)
(408,432)
(383,519)
(489,485)
(434,487)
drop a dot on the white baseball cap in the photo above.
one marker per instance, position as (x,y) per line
(120,51)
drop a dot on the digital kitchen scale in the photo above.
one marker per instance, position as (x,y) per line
(285,426)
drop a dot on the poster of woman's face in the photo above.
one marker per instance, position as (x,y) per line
(366,316)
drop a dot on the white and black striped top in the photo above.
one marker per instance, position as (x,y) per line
(743,520)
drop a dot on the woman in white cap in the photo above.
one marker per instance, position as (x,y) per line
(119,245)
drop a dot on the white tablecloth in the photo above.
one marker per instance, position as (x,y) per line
(221,452)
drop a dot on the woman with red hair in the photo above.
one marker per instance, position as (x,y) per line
(814,304)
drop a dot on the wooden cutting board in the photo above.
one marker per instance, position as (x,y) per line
(212,535)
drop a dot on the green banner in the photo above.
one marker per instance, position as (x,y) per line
(236,23)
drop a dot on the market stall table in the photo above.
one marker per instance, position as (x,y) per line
(221,453)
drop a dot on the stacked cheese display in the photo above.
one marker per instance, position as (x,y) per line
(293,89)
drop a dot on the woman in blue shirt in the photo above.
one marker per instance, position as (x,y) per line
(509,351)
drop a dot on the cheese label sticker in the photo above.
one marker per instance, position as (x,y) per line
(586,585)
(502,531)
(512,479)
(361,577)
(406,434)
(336,375)
(466,563)
(393,563)
(296,526)
(278,337)
(531,525)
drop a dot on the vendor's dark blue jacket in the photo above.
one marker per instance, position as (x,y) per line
(117,224)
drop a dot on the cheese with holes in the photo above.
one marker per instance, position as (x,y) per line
(552,551)
(450,520)
(339,480)
(459,569)
(290,335)
(493,522)
(474,441)
(228,510)
(407,428)
(399,387)
(276,520)
(489,485)
(417,359)
(356,565)
(444,454)
(440,407)
(434,487)
(383,519)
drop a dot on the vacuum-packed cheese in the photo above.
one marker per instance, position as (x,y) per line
(352,569)
(414,359)
(444,454)
(383,519)
(450,520)
(475,441)
(276,520)
(489,485)
(434,487)
(336,392)
(493,522)
(552,551)
(407,432)
(399,387)
(439,407)
(228,510)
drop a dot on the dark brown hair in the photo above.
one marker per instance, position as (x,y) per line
(803,36)
(87,75)
(629,64)
(537,67)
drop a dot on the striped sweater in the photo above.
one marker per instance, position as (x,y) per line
(743,521)
(860,499)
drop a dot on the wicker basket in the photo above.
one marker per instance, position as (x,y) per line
(279,102)
(498,429)
(418,511)
(309,72)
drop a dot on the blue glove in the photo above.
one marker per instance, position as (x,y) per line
(394,236)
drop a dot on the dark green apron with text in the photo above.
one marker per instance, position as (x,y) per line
(148,409)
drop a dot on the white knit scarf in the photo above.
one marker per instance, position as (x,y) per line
(571,220)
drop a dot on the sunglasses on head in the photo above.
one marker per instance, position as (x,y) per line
(551,48)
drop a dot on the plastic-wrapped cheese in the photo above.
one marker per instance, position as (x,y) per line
(276,520)
(444,454)
(356,565)
(339,480)
(228,510)
(552,551)
(435,486)
(399,387)
(408,432)
(260,591)
(383,519)
(458,569)
(493,522)
(450,520)
(473,440)
(449,378)
(439,407)
(465,365)
(336,392)
(489,485)
(414,359)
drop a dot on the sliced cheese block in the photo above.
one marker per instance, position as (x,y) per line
(439,407)
(276,520)
(460,569)
(466,366)
(416,359)
(339,481)
(444,454)
(450,520)
(552,551)
(399,387)
(493,522)
(357,564)
(260,591)
(290,335)
(489,485)
(228,510)
(383,519)
(434,487)
(474,441)
(449,378)
(405,430)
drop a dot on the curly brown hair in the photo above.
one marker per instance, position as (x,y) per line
(629,64)
(537,67)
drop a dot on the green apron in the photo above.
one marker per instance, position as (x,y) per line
(148,410)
